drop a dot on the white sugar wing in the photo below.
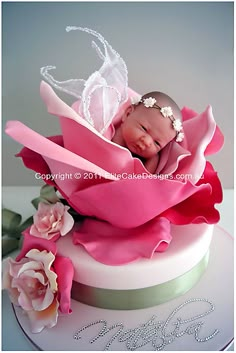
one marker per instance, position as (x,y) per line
(103,92)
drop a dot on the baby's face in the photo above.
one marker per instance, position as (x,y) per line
(145,131)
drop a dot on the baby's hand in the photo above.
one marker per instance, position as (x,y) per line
(151,163)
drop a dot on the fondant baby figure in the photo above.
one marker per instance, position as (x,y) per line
(148,125)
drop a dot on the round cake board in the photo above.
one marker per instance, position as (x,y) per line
(200,320)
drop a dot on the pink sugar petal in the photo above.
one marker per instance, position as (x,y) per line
(188,113)
(216,143)
(35,161)
(199,207)
(64,265)
(51,151)
(115,246)
(203,126)
(106,201)
(31,242)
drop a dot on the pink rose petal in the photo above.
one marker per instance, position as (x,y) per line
(64,265)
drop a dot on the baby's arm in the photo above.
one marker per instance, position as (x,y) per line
(151,163)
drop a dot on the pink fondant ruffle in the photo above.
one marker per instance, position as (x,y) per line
(115,246)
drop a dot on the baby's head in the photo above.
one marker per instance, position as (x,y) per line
(150,124)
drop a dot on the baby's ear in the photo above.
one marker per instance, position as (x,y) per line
(127,112)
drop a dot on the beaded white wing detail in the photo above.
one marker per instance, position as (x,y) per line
(103,92)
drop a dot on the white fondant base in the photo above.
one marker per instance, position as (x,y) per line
(188,246)
(216,285)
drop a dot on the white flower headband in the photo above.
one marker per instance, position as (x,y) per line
(166,112)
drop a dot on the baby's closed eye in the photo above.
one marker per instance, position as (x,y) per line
(143,128)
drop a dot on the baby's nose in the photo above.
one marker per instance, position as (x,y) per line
(146,141)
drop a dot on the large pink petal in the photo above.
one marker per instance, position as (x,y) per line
(216,143)
(189,156)
(129,203)
(115,246)
(49,149)
(61,266)
(61,162)
(35,161)
(188,113)
(217,140)
(199,207)
(204,127)
(211,176)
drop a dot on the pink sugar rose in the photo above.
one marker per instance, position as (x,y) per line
(51,220)
(32,284)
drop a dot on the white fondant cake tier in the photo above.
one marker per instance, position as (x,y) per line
(189,245)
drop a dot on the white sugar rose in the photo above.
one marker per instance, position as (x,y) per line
(33,285)
(51,220)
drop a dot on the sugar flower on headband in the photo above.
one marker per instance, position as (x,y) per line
(166,112)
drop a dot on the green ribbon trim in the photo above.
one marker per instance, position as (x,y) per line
(139,298)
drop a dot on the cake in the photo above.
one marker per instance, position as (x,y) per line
(107,233)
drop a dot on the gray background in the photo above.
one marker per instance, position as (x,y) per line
(182,48)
